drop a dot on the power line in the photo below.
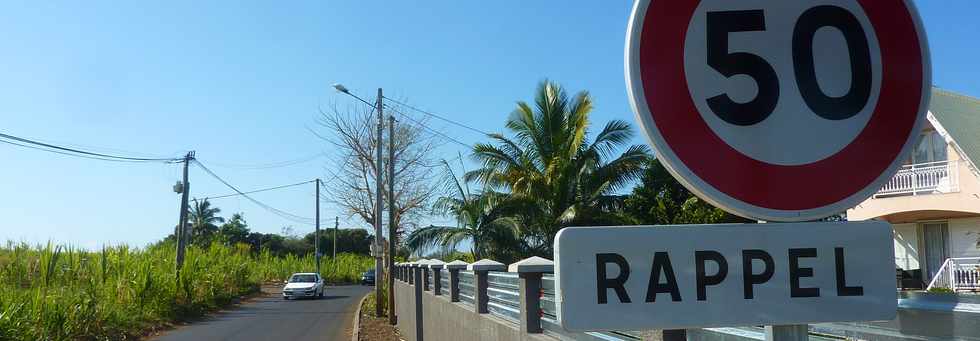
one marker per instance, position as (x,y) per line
(258,190)
(438,116)
(429,165)
(64,153)
(433,131)
(79,152)
(374,107)
(281,213)
(270,165)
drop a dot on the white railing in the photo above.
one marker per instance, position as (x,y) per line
(958,274)
(923,178)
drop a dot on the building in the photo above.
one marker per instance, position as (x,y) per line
(933,202)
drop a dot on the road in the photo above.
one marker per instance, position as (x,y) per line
(272,318)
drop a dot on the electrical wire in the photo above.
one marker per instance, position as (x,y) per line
(437,116)
(358,98)
(374,107)
(65,153)
(280,213)
(430,130)
(80,153)
(258,190)
(429,165)
(271,165)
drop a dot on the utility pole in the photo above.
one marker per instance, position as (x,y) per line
(392,319)
(336,228)
(316,234)
(185,189)
(378,269)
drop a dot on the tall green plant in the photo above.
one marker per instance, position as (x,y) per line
(62,293)
(661,200)
(203,220)
(550,166)
(485,219)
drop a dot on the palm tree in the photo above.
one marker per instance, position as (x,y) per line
(203,221)
(481,218)
(549,163)
(235,230)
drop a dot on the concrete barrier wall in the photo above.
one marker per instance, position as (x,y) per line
(921,316)
(405,310)
(447,321)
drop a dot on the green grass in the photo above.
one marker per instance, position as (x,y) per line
(118,293)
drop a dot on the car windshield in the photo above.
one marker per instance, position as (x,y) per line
(370,272)
(303,279)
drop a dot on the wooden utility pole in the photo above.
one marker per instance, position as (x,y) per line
(378,268)
(336,228)
(316,233)
(185,189)
(392,319)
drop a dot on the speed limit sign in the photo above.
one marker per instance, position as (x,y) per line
(779,110)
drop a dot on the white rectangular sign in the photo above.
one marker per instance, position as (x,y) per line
(693,276)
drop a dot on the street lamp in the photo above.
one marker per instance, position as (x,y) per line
(378,266)
(341,88)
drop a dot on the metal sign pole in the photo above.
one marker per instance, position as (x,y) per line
(790,332)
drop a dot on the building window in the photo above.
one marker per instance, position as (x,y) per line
(931,147)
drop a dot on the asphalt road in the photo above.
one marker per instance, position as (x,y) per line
(272,318)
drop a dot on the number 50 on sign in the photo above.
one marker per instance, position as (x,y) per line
(775,109)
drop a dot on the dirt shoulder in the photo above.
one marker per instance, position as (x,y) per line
(375,328)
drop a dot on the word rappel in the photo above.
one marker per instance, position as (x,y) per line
(750,277)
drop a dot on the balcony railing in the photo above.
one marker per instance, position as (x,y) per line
(958,274)
(923,178)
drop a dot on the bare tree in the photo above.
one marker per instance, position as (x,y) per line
(352,131)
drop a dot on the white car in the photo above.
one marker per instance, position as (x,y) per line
(305,284)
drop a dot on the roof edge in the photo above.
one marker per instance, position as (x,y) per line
(949,138)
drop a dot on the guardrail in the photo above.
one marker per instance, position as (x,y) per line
(467,288)
(521,298)
(523,295)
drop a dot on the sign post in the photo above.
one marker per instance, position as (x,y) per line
(774,110)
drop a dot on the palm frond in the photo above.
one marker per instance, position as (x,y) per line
(432,235)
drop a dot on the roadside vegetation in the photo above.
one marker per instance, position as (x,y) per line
(60,293)
(374,328)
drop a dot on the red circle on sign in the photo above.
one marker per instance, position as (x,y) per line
(771,186)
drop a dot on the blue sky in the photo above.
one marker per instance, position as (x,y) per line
(240,83)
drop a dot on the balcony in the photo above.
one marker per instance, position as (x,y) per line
(923,178)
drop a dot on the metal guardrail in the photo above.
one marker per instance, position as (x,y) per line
(503,290)
(552,326)
(922,316)
(467,287)
(430,278)
(504,296)
(444,279)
